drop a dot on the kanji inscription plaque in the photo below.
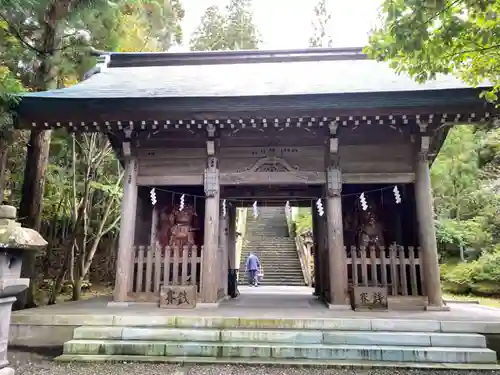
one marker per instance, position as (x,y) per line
(369,298)
(178,297)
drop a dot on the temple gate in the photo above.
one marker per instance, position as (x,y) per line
(210,132)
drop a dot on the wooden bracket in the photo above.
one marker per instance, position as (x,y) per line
(333,127)
(128,132)
(422,126)
(211,130)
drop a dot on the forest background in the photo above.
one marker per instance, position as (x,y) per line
(69,186)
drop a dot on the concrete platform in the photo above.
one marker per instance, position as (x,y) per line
(257,308)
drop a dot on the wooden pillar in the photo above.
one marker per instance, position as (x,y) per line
(224,251)
(127,230)
(154,226)
(231,248)
(337,259)
(323,258)
(426,230)
(210,265)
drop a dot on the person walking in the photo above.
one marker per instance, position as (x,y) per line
(252,268)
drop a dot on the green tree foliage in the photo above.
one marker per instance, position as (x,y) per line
(465,205)
(321,22)
(44,45)
(211,33)
(460,38)
(233,29)
(427,37)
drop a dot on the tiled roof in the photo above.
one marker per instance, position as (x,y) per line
(248,79)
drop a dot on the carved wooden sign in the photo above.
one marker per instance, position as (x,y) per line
(178,297)
(369,298)
(272,170)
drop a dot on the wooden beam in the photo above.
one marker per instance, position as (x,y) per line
(169,180)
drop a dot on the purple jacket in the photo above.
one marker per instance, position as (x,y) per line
(253,263)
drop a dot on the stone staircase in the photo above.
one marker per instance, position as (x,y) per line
(267,236)
(358,342)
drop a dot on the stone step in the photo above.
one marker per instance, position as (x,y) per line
(267,282)
(350,322)
(269,245)
(270,251)
(276,277)
(284,279)
(281,262)
(277,256)
(269,278)
(277,243)
(290,274)
(283,351)
(265,235)
(283,336)
(277,266)
(273,267)
(269,270)
(265,247)
(260,250)
(292,259)
(288,270)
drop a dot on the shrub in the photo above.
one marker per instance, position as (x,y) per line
(458,278)
(481,277)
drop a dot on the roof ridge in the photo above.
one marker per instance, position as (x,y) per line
(137,59)
(101,66)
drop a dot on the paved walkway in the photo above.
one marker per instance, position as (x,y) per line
(269,297)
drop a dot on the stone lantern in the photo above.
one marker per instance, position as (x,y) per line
(14,241)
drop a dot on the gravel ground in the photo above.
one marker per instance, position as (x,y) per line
(40,363)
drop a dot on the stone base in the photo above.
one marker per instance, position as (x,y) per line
(207,305)
(131,303)
(437,308)
(407,303)
(7,371)
(118,304)
(339,307)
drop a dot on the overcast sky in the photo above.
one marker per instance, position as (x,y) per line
(283,25)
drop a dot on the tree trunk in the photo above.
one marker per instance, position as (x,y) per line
(77,289)
(54,231)
(3,166)
(30,210)
(462,255)
(59,279)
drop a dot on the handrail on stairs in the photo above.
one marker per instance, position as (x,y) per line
(241,226)
(303,242)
